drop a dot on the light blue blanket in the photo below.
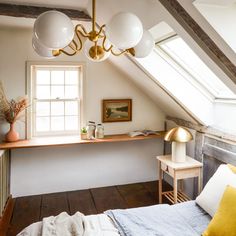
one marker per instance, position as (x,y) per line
(184,219)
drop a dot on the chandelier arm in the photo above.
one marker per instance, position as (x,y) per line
(80,41)
(99,32)
(83,32)
(120,53)
(73,45)
(67,53)
(103,45)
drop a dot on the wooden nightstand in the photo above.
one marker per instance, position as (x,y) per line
(178,171)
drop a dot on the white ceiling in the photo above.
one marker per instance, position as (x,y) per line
(216,2)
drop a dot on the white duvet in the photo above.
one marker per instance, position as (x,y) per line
(76,225)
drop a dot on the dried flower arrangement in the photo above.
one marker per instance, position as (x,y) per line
(11,110)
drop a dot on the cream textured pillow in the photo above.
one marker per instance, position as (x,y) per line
(211,195)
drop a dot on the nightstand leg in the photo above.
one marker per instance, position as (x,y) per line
(160,182)
(175,189)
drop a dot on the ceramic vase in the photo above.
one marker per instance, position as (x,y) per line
(12,135)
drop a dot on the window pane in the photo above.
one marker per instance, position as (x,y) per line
(71,77)
(71,108)
(42,124)
(43,92)
(57,108)
(57,77)
(71,123)
(71,91)
(43,77)
(42,108)
(57,123)
(57,92)
(189,60)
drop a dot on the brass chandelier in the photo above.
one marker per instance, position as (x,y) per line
(54,34)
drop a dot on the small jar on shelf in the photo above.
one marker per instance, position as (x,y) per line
(99,132)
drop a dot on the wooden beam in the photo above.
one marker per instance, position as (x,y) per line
(200,37)
(34,11)
(219,154)
(203,129)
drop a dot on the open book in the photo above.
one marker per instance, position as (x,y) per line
(141,133)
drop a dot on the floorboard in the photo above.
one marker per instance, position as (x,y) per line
(28,210)
(53,204)
(136,195)
(82,201)
(107,198)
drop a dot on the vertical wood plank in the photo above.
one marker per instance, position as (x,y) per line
(198,155)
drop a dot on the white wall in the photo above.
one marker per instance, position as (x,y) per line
(225,114)
(44,170)
(221,18)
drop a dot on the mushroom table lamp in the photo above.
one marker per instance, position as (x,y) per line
(179,136)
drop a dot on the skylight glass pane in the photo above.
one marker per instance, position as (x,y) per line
(177,49)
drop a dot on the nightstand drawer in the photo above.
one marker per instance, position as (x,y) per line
(188,173)
(167,169)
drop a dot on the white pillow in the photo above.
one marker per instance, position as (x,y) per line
(212,193)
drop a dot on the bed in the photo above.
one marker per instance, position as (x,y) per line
(185,219)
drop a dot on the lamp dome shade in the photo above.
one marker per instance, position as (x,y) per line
(54,29)
(178,134)
(145,45)
(124,30)
(41,50)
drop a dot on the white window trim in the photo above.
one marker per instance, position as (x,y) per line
(30,90)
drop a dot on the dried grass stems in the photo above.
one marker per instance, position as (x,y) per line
(11,110)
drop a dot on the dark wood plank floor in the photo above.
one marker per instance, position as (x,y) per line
(92,201)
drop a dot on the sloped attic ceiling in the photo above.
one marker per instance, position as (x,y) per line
(141,74)
(151,12)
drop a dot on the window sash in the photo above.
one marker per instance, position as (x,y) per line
(78,100)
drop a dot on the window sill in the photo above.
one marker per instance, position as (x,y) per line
(71,140)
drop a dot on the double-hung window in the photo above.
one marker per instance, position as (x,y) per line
(56,92)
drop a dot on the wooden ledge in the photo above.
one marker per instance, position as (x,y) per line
(71,140)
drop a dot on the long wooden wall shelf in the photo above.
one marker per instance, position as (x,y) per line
(71,140)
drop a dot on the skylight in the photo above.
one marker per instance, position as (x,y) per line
(179,53)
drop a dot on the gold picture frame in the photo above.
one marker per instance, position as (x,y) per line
(116,110)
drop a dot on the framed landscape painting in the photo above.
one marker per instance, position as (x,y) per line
(116,110)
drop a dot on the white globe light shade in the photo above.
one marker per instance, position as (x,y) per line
(124,30)
(41,50)
(89,50)
(145,45)
(54,29)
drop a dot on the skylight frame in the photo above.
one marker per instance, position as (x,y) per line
(206,88)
